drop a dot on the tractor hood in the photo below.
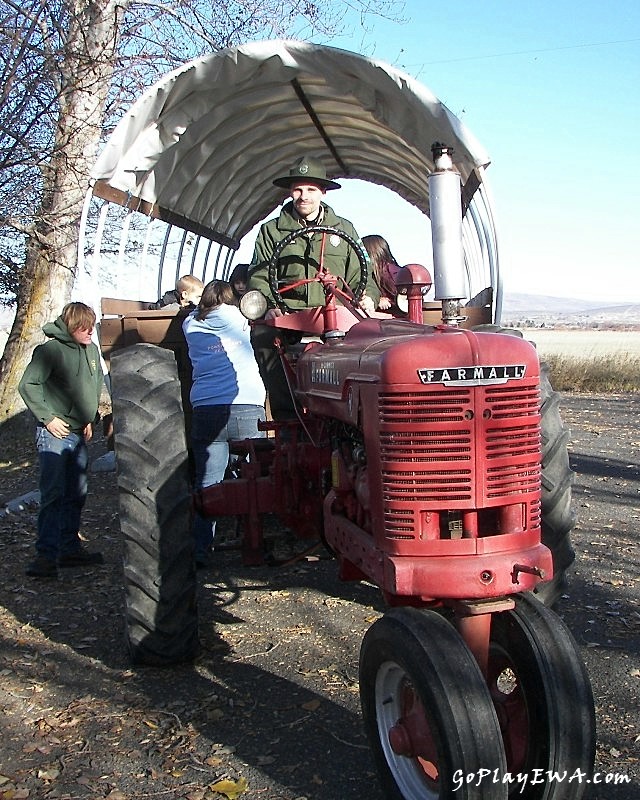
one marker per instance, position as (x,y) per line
(398,356)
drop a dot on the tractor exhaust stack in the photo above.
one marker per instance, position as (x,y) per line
(446,233)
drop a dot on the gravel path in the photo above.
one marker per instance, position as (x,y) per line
(273,700)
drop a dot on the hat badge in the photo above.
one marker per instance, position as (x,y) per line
(303,168)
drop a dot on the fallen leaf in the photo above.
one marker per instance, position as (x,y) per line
(48,774)
(312,705)
(230,789)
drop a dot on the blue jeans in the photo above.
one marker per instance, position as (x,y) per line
(212,427)
(63,491)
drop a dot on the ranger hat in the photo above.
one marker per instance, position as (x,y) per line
(307,169)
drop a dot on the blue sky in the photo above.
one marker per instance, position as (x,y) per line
(552,91)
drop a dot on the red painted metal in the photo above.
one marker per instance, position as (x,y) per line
(411,735)
(417,458)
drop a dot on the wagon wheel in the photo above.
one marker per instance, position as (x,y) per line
(427,711)
(543,699)
(278,291)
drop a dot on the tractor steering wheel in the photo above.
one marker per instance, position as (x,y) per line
(324,229)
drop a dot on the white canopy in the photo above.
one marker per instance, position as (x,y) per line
(207,140)
(201,148)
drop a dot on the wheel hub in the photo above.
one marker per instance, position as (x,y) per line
(411,736)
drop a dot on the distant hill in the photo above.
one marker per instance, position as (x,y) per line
(546,309)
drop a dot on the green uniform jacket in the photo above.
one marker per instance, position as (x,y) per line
(63,379)
(301,258)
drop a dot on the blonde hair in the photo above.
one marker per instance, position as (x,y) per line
(78,315)
(188,283)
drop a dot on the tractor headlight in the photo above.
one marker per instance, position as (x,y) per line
(253,304)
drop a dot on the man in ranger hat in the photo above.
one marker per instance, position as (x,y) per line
(307,184)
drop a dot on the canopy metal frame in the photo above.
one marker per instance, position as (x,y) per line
(197,154)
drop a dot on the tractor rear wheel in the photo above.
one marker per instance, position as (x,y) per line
(558,517)
(154,500)
(544,702)
(427,711)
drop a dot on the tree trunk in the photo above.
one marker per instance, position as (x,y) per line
(51,259)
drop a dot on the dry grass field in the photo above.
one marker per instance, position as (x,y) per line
(584,343)
(589,360)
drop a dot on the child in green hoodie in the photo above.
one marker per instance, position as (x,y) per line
(61,387)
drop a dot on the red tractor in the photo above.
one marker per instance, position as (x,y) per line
(416,456)
(429,455)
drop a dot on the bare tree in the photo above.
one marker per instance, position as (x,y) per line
(69,68)
(57,78)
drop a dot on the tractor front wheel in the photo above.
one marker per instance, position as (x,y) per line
(427,711)
(544,703)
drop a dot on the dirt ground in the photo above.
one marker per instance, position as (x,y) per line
(270,711)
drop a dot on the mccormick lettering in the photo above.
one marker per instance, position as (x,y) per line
(473,376)
(325,373)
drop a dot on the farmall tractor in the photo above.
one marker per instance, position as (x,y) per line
(429,455)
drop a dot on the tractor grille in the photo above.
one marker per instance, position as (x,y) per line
(512,441)
(458,448)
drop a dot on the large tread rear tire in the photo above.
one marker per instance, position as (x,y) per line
(558,517)
(154,499)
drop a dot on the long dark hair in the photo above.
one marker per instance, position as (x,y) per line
(380,254)
(214,294)
(240,273)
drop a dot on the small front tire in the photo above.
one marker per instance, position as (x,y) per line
(427,710)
